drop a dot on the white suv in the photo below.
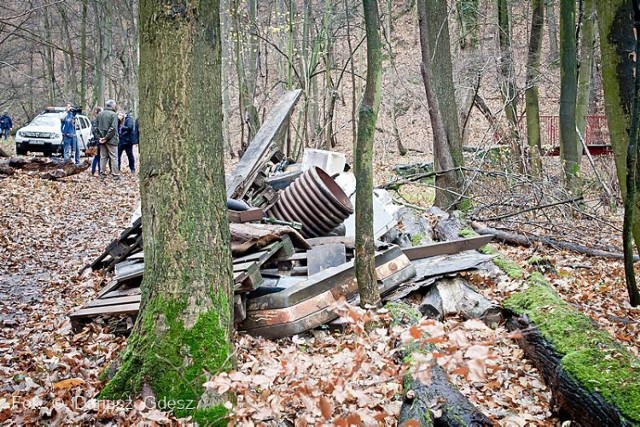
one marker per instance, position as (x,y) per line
(44,135)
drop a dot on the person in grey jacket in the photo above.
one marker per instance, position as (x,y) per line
(107,123)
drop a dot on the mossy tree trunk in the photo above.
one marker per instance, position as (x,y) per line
(448,186)
(568,91)
(585,67)
(508,81)
(615,26)
(367,118)
(632,174)
(184,330)
(534,162)
(442,77)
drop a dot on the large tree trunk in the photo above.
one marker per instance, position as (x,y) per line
(615,25)
(442,76)
(568,92)
(585,67)
(367,118)
(469,62)
(184,330)
(448,186)
(533,74)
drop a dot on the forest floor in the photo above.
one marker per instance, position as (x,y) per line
(49,374)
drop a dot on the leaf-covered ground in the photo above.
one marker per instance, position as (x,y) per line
(49,375)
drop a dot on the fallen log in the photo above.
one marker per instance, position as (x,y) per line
(51,169)
(528,240)
(594,380)
(448,297)
(439,402)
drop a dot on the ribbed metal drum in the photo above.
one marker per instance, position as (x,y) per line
(316,201)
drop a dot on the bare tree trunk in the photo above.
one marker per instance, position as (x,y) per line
(82,95)
(447,186)
(534,162)
(585,67)
(508,83)
(554,51)
(183,332)
(442,73)
(469,62)
(368,115)
(98,81)
(568,87)
(394,78)
(353,75)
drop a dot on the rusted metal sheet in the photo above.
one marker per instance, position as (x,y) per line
(316,201)
(446,248)
(316,284)
(320,308)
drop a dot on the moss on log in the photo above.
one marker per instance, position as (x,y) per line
(594,380)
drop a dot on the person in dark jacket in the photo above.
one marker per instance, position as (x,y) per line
(5,125)
(70,139)
(95,165)
(125,133)
(136,132)
(107,123)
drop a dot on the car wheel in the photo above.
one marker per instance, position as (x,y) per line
(21,151)
(46,153)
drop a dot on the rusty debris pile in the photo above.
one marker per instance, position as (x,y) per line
(292,240)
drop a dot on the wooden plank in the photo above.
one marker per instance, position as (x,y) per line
(103,302)
(254,214)
(446,248)
(123,291)
(111,310)
(245,171)
(112,285)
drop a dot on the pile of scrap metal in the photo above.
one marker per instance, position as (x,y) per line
(292,232)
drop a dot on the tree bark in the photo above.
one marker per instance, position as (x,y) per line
(442,77)
(534,162)
(615,26)
(184,330)
(568,91)
(508,81)
(554,52)
(447,184)
(585,67)
(632,175)
(367,118)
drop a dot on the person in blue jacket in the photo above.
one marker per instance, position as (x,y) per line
(70,140)
(5,125)
(125,132)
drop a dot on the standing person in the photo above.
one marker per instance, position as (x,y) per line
(95,165)
(70,139)
(125,133)
(107,124)
(5,125)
